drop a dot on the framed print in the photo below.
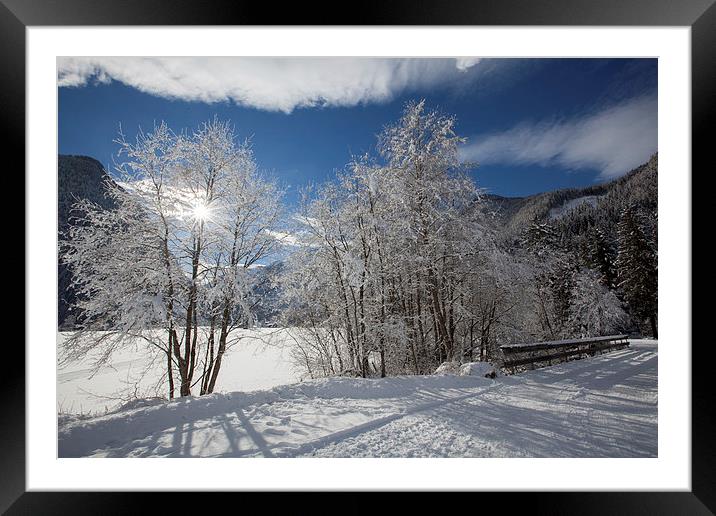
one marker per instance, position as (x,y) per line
(423,248)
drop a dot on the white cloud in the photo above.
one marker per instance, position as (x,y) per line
(464,63)
(613,140)
(276,84)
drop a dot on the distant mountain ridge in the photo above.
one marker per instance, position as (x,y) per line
(601,204)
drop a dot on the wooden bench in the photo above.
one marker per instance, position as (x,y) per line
(540,354)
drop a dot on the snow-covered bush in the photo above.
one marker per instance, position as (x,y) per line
(484,369)
(448,368)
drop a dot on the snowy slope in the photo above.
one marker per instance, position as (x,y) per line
(600,407)
(559,211)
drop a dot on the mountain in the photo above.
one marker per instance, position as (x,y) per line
(573,211)
(78,177)
(266,293)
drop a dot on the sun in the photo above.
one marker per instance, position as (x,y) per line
(201,211)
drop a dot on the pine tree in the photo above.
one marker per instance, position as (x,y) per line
(600,256)
(541,239)
(637,268)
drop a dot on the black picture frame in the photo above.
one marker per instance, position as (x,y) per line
(700,15)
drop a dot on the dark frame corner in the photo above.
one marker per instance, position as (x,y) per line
(700,15)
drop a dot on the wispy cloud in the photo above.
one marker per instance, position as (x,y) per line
(285,238)
(276,84)
(612,140)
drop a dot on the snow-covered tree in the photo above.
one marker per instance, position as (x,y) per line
(601,256)
(388,246)
(595,309)
(193,215)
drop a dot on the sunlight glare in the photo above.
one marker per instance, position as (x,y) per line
(201,211)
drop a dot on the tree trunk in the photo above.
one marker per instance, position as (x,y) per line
(187,365)
(382,361)
(209,358)
(222,348)
(170,373)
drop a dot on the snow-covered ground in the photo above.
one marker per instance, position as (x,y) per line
(568,206)
(260,360)
(605,406)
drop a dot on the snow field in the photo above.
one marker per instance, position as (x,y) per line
(600,407)
(260,360)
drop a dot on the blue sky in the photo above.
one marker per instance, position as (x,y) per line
(532,124)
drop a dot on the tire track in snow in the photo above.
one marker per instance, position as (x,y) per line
(285,450)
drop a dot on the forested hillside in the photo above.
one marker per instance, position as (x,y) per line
(584,222)
(607,232)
